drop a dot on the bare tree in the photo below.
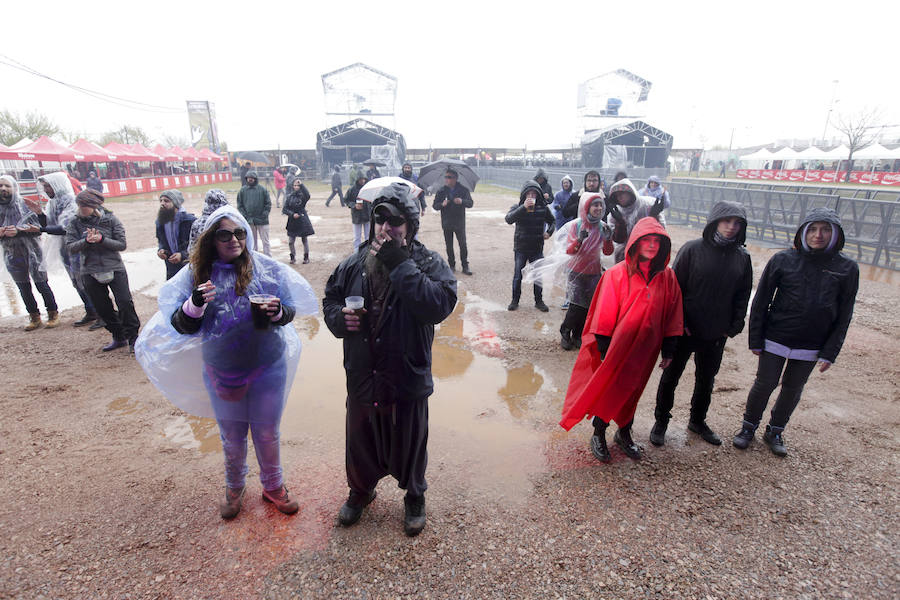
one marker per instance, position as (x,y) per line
(170,140)
(14,127)
(860,130)
(126,134)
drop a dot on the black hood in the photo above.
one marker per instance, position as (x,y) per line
(540,173)
(397,195)
(821,214)
(724,210)
(532,185)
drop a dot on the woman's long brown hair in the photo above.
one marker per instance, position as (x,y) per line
(205,254)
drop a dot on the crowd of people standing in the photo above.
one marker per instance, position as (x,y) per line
(227,300)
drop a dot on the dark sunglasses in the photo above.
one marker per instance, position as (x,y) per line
(224,235)
(392,221)
(449,177)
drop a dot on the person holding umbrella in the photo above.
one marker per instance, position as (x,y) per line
(452,200)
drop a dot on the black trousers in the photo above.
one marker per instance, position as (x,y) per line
(795,375)
(573,323)
(124,323)
(463,250)
(335,192)
(387,441)
(521,259)
(707,360)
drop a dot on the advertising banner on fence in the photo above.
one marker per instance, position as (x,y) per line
(859,177)
(202,119)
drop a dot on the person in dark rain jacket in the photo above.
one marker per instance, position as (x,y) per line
(800,315)
(298,223)
(716,277)
(546,191)
(407,290)
(173,231)
(452,200)
(360,211)
(534,224)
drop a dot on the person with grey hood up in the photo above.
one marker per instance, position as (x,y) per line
(401,290)
(546,191)
(214,200)
(799,317)
(626,207)
(173,231)
(99,237)
(716,277)
(254,203)
(60,210)
(20,238)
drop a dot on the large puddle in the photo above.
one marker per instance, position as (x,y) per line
(478,414)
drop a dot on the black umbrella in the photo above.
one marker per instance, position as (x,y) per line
(252,156)
(431,176)
(375,163)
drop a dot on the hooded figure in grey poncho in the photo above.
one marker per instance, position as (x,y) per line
(20,237)
(627,207)
(215,199)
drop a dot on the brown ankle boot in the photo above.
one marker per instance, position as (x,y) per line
(52,319)
(35,321)
(231,505)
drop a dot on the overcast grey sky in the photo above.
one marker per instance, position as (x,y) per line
(470,73)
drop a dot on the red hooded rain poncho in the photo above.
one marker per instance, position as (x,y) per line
(637,315)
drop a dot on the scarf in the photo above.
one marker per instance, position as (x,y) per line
(722,241)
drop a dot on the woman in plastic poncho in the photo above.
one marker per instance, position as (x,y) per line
(206,354)
(635,313)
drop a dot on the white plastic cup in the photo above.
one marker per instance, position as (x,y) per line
(355,303)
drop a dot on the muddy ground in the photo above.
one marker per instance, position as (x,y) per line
(108,491)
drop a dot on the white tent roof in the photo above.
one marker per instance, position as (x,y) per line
(839,153)
(812,153)
(786,153)
(874,151)
(761,154)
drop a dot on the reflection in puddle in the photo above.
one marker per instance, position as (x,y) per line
(522,385)
(192,432)
(146,274)
(878,274)
(124,405)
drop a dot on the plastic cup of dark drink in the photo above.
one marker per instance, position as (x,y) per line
(355,303)
(259,310)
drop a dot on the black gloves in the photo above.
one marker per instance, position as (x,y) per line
(658,207)
(197,297)
(620,232)
(583,235)
(392,254)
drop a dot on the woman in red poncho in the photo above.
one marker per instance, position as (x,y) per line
(636,311)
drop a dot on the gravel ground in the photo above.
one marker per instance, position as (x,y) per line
(108,491)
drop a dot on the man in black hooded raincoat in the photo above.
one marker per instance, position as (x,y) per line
(408,289)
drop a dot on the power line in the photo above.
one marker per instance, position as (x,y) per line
(119,101)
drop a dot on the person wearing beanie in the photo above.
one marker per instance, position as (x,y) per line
(98,236)
(799,318)
(20,238)
(173,231)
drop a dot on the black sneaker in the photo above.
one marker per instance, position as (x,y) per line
(703,430)
(566,342)
(541,306)
(514,305)
(98,324)
(85,320)
(352,509)
(742,438)
(466,271)
(658,433)
(624,441)
(775,440)
(413,515)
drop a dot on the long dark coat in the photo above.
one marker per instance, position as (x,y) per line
(295,203)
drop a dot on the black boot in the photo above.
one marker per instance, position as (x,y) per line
(774,440)
(743,437)
(413,514)
(703,430)
(658,433)
(292,259)
(305,258)
(624,441)
(566,341)
(352,509)
(89,317)
(598,441)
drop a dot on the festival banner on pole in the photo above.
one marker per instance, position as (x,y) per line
(202,119)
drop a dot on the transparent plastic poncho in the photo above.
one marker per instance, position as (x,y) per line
(21,253)
(577,273)
(60,209)
(228,369)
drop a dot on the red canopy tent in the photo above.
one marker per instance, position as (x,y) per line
(209,155)
(165,154)
(126,154)
(179,152)
(144,151)
(193,155)
(43,149)
(90,152)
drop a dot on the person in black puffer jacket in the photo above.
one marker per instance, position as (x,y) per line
(800,315)
(534,224)
(716,278)
(298,223)
(407,290)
